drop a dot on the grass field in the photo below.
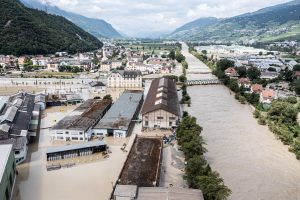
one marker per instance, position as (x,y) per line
(158,48)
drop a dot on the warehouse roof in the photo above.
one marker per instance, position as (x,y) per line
(85,116)
(5,152)
(162,95)
(162,193)
(76,146)
(126,191)
(122,112)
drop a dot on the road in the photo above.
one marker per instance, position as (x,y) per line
(252,162)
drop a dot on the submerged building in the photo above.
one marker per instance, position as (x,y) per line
(77,126)
(161,107)
(7,171)
(118,121)
(19,121)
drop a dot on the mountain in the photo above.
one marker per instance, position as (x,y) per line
(199,23)
(97,27)
(29,31)
(274,23)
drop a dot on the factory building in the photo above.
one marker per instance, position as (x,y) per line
(7,171)
(75,150)
(77,126)
(118,121)
(161,107)
(19,119)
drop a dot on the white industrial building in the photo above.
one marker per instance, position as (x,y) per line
(118,121)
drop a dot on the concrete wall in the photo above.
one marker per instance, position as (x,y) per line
(159,119)
(8,179)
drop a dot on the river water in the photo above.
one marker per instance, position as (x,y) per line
(252,162)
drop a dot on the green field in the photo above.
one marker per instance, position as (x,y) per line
(158,48)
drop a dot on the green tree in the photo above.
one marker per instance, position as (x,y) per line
(172,54)
(213,187)
(107,97)
(224,64)
(242,71)
(296,68)
(253,73)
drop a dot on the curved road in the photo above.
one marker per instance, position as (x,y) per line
(248,157)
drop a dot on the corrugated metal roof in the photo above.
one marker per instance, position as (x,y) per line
(162,193)
(121,113)
(75,146)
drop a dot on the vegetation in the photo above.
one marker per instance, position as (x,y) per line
(198,172)
(73,69)
(276,23)
(29,31)
(107,97)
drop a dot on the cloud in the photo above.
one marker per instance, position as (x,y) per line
(136,17)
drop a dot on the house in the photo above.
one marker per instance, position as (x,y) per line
(267,96)
(116,63)
(161,108)
(97,86)
(245,82)
(118,121)
(77,126)
(105,66)
(231,72)
(7,172)
(256,88)
(124,79)
(53,66)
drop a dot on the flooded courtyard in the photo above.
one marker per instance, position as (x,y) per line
(91,178)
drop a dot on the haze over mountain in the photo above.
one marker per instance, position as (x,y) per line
(29,31)
(269,24)
(97,27)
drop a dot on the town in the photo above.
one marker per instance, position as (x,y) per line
(165,105)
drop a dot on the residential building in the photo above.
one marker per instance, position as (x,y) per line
(105,66)
(231,72)
(97,87)
(118,121)
(267,96)
(7,171)
(161,107)
(77,126)
(124,79)
(245,82)
(256,88)
(53,66)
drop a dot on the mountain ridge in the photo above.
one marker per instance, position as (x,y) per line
(272,23)
(30,31)
(97,27)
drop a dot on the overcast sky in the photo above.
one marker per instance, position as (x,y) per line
(141,17)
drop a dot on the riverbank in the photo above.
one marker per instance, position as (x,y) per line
(252,162)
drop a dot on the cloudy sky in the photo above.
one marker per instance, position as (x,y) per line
(145,17)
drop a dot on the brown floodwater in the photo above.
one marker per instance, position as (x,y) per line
(252,162)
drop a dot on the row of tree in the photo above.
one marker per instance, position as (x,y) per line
(198,172)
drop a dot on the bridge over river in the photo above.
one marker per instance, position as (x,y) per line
(203,82)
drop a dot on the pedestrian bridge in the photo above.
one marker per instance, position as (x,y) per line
(203,82)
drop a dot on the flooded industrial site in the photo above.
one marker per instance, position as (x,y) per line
(252,162)
(91,178)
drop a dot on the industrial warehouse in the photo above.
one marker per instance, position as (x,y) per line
(75,150)
(78,125)
(119,120)
(20,118)
(161,108)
